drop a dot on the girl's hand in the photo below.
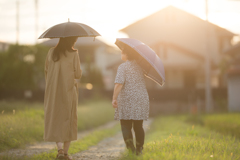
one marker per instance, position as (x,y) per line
(114,103)
(117,89)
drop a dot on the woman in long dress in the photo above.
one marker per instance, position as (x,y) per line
(62,67)
(131,101)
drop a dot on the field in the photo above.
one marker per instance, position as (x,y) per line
(225,123)
(171,137)
(22,123)
(179,137)
(76,146)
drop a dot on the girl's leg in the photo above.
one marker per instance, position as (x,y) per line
(139,134)
(126,126)
(60,150)
(59,145)
(66,147)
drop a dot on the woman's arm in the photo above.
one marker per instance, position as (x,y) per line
(46,69)
(46,65)
(117,89)
(77,68)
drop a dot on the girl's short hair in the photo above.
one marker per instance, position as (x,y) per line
(131,54)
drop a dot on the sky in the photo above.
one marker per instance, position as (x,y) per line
(105,16)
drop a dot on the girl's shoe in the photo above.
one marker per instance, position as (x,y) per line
(60,154)
(131,148)
(139,151)
(67,157)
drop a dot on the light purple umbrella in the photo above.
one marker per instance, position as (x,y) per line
(149,61)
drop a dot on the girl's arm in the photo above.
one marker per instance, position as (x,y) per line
(117,89)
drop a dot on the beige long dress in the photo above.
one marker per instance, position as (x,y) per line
(61,97)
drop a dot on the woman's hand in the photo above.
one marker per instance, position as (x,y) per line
(114,103)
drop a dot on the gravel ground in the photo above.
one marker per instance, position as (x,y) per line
(108,149)
(40,147)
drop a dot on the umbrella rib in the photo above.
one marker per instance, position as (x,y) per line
(44,33)
(149,61)
(65,29)
(83,27)
(128,43)
(148,67)
(154,79)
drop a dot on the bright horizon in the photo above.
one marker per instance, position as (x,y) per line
(106,16)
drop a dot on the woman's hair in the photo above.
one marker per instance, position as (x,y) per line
(64,44)
(131,54)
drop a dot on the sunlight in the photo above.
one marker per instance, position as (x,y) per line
(89,86)
(107,16)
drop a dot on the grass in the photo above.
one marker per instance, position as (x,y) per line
(171,138)
(21,128)
(76,146)
(26,125)
(226,123)
(7,107)
(93,114)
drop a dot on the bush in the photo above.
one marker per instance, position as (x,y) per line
(22,67)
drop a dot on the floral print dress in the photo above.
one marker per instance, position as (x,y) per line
(133,100)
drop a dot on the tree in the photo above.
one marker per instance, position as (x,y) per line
(21,66)
(93,75)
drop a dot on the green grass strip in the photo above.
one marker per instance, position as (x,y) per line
(75,147)
(25,124)
(226,123)
(171,138)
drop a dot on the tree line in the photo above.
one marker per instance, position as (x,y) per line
(22,68)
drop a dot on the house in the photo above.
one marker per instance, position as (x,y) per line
(182,41)
(233,80)
(179,38)
(97,53)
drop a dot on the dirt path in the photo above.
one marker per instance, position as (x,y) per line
(46,146)
(108,149)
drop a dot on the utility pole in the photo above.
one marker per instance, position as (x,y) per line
(36,20)
(208,91)
(17,21)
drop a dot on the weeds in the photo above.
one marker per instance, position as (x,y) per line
(225,123)
(76,146)
(228,123)
(171,138)
(26,125)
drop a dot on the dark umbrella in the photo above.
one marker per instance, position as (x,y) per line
(150,63)
(69,29)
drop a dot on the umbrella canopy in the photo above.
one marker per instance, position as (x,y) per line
(148,60)
(69,29)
